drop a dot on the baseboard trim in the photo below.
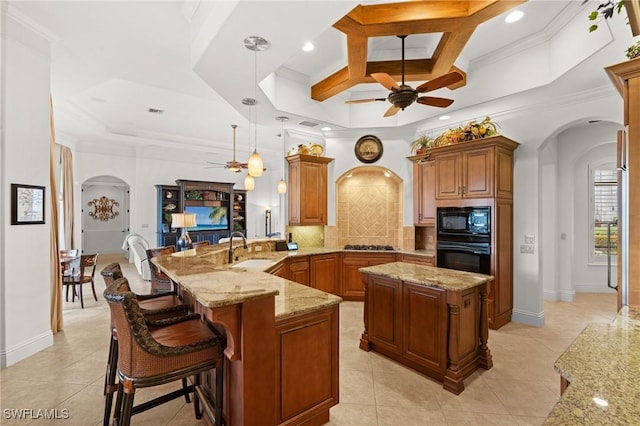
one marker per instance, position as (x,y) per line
(593,288)
(530,318)
(25,349)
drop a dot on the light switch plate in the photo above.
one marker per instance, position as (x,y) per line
(527,249)
(529,239)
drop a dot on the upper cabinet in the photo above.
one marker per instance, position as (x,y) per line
(424,192)
(307,189)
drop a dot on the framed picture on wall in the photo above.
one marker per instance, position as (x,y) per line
(27,204)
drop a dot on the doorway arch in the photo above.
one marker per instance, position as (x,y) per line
(104,214)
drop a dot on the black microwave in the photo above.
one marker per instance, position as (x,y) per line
(471,224)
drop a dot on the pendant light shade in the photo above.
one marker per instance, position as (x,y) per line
(255,164)
(249,182)
(282,187)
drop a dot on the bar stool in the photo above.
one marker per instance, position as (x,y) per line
(151,357)
(156,310)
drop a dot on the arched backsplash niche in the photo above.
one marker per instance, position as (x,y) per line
(369,207)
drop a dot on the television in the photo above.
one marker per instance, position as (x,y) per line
(209,218)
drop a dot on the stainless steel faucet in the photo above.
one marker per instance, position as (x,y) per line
(231,249)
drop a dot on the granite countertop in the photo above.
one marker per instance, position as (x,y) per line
(430,276)
(213,284)
(603,368)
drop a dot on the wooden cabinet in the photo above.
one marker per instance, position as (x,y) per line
(352,288)
(325,272)
(424,193)
(466,174)
(420,260)
(307,189)
(280,270)
(168,198)
(441,333)
(475,173)
(299,269)
(307,371)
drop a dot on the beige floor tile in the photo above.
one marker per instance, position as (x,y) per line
(476,398)
(356,387)
(410,416)
(529,421)
(524,397)
(461,418)
(406,390)
(347,414)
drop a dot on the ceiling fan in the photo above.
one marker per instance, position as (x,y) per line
(402,95)
(233,165)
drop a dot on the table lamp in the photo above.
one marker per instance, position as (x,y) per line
(184,221)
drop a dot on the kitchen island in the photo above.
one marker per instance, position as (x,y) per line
(600,375)
(433,320)
(282,339)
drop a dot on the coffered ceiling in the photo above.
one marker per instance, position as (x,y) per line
(113,62)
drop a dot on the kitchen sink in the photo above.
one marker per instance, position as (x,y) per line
(259,264)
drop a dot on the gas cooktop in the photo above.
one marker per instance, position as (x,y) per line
(367,247)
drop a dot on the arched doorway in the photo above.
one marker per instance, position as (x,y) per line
(105,214)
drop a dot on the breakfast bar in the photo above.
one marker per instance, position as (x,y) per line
(433,320)
(282,339)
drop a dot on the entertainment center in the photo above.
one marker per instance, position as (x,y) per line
(219,209)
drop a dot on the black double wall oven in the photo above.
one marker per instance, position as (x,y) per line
(464,238)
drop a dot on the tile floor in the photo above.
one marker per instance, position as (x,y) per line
(520,389)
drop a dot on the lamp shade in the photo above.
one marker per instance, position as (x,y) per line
(183,220)
(177,220)
(189,220)
(282,187)
(249,182)
(255,164)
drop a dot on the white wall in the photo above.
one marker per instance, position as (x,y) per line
(25,276)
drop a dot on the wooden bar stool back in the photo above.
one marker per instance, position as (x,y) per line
(151,357)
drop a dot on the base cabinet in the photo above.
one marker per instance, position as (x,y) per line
(352,288)
(307,375)
(441,333)
(299,269)
(324,272)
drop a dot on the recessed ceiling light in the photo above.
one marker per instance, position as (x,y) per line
(514,16)
(445,117)
(308,47)
(325,129)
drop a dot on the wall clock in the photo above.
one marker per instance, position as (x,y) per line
(368,149)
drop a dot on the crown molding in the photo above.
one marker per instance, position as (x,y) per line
(31,25)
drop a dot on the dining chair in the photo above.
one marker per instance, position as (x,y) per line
(68,266)
(200,243)
(160,282)
(150,357)
(85,275)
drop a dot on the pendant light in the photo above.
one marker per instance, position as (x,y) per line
(255,44)
(282,185)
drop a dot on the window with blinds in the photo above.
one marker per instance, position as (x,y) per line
(604,212)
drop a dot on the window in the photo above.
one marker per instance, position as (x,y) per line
(604,212)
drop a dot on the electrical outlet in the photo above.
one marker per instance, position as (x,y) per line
(258,248)
(527,249)
(430,239)
(249,249)
(529,239)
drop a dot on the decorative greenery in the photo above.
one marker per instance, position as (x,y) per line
(634,50)
(604,11)
(470,131)
(422,144)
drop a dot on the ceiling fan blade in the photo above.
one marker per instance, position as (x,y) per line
(393,110)
(386,80)
(438,82)
(362,101)
(436,102)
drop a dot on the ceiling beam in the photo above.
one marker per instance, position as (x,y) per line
(456,19)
